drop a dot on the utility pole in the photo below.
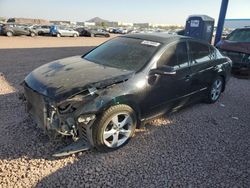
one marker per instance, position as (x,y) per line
(221,20)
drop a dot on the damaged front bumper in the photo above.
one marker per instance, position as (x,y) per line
(54,123)
(241,61)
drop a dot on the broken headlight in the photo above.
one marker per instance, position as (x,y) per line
(71,104)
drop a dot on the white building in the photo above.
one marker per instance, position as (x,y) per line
(164,25)
(89,24)
(125,24)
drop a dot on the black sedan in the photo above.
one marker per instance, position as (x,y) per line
(92,32)
(100,98)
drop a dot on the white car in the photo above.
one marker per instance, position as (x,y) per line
(65,32)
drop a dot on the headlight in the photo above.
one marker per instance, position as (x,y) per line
(86,118)
(71,104)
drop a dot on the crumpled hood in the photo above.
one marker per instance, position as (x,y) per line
(243,47)
(63,78)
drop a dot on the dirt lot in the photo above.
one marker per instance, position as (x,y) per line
(41,42)
(200,146)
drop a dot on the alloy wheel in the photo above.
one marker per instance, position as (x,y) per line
(117,130)
(216,89)
(9,34)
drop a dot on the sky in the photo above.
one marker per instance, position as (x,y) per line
(131,11)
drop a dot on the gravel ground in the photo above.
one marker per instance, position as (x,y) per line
(199,146)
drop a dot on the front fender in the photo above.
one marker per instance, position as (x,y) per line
(100,104)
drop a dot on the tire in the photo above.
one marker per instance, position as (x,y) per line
(92,35)
(107,35)
(58,35)
(32,34)
(114,128)
(75,35)
(215,90)
(9,34)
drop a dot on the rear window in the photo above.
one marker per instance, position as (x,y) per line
(240,35)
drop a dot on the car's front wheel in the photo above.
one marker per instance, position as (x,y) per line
(58,35)
(215,90)
(9,34)
(114,128)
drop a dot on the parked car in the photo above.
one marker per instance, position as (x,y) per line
(118,31)
(91,32)
(1,29)
(121,31)
(17,29)
(102,96)
(42,29)
(62,31)
(237,47)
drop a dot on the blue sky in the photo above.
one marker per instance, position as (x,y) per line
(153,11)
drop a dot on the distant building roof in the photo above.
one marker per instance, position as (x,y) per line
(237,23)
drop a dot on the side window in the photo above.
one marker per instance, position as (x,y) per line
(199,52)
(175,56)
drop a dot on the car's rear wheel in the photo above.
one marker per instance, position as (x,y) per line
(114,128)
(40,33)
(9,34)
(75,35)
(32,34)
(215,90)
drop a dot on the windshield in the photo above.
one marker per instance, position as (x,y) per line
(124,53)
(241,35)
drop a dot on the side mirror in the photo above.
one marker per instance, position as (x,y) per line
(163,70)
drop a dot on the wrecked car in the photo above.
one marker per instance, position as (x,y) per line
(100,98)
(237,46)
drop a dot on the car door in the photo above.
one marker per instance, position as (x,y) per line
(168,91)
(26,31)
(63,31)
(70,32)
(203,66)
(45,29)
(20,30)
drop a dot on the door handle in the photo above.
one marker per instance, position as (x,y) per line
(216,67)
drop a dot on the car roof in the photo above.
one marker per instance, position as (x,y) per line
(157,37)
